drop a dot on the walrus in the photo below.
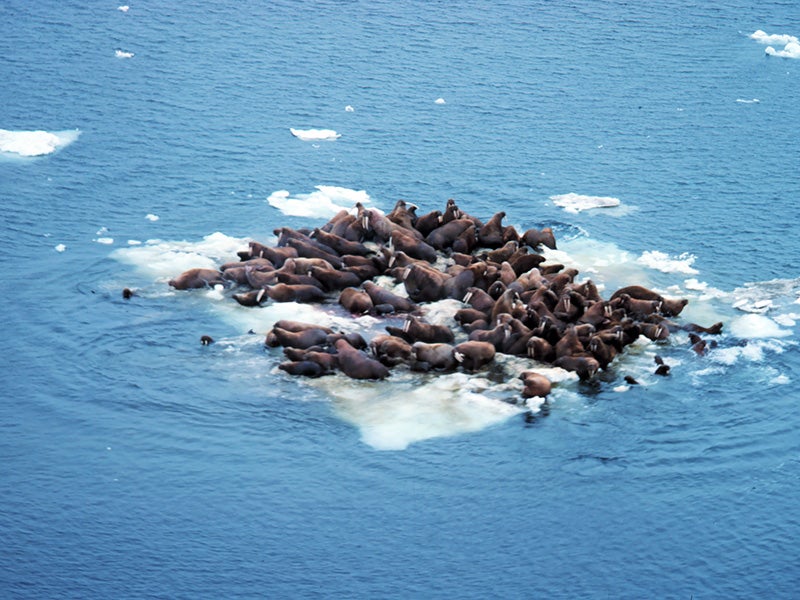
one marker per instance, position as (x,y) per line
(472,355)
(466,241)
(602,352)
(423,283)
(356,301)
(328,361)
(511,303)
(334,280)
(391,350)
(306,368)
(465,316)
(501,253)
(381,295)
(282,292)
(523,263)
(197,278)
(535,385)
(536,238)
(357,365)
(662,368)
(584,366)
(376,226)
(438,357)
(428,222)
(654,331)
(639,309)
(699,345)
(669,307)
(415,330)
(443,236)
(339,244)
(491,234)
(540,349)
(308,250)
(285,234)
(416,248)
(479,299)
(257,278)
(496,336)
(251,298)
(296,339)
(462,279)
(403,214)
(355,339)
(451,212)
(277,256)
(290,325)
(569,344)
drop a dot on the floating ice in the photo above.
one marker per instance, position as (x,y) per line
(60,248)
(35,143)
(324,203)
(164,260)
(104,240)
(790,43)
(124,8)
(151,217)
(666,264)
(392,417)
(439,101)
(123,54)
(791,50)
(349,108)
(315,135)
(575,203)
(757,326)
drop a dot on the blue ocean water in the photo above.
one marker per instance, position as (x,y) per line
(136,463)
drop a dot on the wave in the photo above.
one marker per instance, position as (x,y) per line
(575,203)
(35,143)
(123,54)
(315,135)
(324,203)
(745,101)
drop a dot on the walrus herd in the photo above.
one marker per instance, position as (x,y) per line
(512,301)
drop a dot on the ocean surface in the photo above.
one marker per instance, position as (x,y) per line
(661,142)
